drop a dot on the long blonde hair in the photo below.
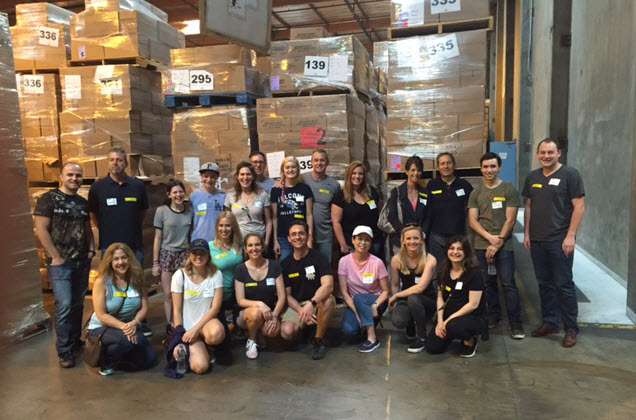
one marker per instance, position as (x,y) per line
(348,187)
(237,239)
(403,255)
(134,277)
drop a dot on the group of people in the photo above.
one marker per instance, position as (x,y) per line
(259,257)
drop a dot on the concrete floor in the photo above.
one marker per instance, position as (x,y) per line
(534,378)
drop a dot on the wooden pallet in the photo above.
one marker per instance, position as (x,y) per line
(318,91)
(442,28)
(210,100)
(143,62)
(35,329)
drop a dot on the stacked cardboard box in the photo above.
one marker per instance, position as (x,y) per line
(372,143)
(41,37)
(40,103)
(297,125)
(123,29)
(406,13)
(214,69)
(308,33)
(114,105)
(436,98)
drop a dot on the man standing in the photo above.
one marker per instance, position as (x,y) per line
(257,159)
(324,189)
(309,283)
(207,203)
(118,204)
(447,197)
(492,213)
(554,210)
(62,224)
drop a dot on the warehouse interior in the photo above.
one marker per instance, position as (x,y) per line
(564,69)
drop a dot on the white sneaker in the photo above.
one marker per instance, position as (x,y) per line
(251,349)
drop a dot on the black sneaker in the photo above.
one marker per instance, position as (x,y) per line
(493,321)
(368,346)
(319,350)
(410,331)
(67,360)
(417,346)
(516,331)
(468,351)
(145,329)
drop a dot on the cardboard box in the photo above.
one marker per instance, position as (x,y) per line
(213,54)
(116,5)
(33,48)
(406,13)
(308,33)
(36,14)
(223,78)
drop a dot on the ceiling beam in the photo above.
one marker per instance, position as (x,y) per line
(315,10)
(281,20)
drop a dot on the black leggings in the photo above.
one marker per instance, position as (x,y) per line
(463,328)
(415,308)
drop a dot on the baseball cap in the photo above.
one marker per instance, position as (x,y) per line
(199,245)
(362,229)
(209,166)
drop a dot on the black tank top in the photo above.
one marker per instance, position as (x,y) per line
(408,280)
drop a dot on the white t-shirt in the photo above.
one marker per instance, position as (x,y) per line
(197,298)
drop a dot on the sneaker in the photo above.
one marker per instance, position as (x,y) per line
(410,331)
(516,331)
(77,349)
(493,321)
(417,346)
(145,329)
(368,347)
(67,360)
(468,351)
(319,350)
(106,371)
(251,349)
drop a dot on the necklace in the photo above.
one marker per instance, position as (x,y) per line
(247,198)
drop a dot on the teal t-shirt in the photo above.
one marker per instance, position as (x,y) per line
(226,261)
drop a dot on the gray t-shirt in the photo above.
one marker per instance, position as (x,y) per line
(251,219)
(175,227)
(491,205)
(324,191)
(266,185)
(551,202)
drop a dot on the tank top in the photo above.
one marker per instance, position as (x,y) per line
(114,297)
(410,279)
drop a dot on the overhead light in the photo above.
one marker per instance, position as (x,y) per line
(190,27)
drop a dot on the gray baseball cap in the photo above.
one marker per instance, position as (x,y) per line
(209,166)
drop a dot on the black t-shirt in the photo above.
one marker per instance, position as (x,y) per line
(294,207)
(447,205)
(551,202)
(303,276)
(68,214)
(409,280)
(260,290)
(459,290)
(118,208)
(355,214)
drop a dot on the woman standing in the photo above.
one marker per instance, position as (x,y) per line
(460,307)
(249,203)
(357,204)
(412,200)
(260,291)
(364,287)
(197,295)
(293,200)
(173,224)
(414,302)
(120,302)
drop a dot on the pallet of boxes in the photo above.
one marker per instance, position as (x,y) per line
(316,86)
(436,85)
(213,92)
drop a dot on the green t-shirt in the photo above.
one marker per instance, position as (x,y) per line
(226,262)
(491,205)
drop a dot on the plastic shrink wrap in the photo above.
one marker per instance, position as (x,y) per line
(405,13)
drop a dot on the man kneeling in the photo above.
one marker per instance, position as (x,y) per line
(309,283)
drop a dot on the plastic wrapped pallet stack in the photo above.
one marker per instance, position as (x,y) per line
(407,13)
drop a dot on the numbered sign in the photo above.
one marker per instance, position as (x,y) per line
(445,6)
(48,36)
(305,164)
(313,137)
(33,84)
(442,47)
(316,66)
(201,80)
(111,86)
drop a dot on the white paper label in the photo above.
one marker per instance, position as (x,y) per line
(554,181)
(81,51)
(274,160)
(305,164)
(338,68)
(258,204)
(237,8)
(442,47)
(408,52)
(270,281)
(49,36)
(459,285)
(33,84)
(417,279)
(310,270)
(202,206)
(104,72)
(191,167)
(316,66)
(445,6)
(497,205)
(412,14)
(367,278)
(300,198)
(503,155)
(423,201)
(73,86)
(460,192)
(201,80)
(111,201)
(371,204)
(111,86)
(180,80)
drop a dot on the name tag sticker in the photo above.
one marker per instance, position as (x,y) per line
(371,204)
(459,285)
(325,191)
(132,293)
(497,205)
(554,181)
(460,192)
(192,293)
(537,186)
(111,201)
(221,256)
(300,198)
(423,195)
(310,270)
(202,213)
(298,216)
(294,275)
(417,279)
(236,206)
(448,289)
(437,192)
(270,281)
(251,284)
(258,204)
(499,198)
(202,206)
(120,294)
(367,278)
(131,199)
(423,201)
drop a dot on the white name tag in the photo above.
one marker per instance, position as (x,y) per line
(300,198)
(270,281)
(460,192)
(423,201)
(111,201)
(497,205)
(132,293)
(417,279)
(367,278)
(258,204)
(554,181)
(203,206)
(459,285)
(371,204)
(310,270)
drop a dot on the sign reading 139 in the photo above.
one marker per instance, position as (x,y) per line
(316,66)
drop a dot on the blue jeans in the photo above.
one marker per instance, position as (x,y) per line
(286,248)
(556,287)
(505,265)
(118,350)
(350,325)
(70,283)
(139,254)
(325,248)
(437,247)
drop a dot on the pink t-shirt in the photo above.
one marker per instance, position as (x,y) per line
(363,279)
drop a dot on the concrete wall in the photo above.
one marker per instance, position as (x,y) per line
(601,122)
